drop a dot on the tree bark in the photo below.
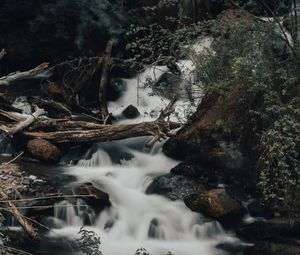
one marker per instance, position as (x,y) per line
(104,133)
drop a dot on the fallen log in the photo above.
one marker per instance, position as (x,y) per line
(159,129)
(105,133)
(63,124)
(21,125)
(103,112)
(7,80)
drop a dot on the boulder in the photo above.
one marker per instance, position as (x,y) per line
(274,230)
(167,85)
(215,203)
(131,112)
(44,150)
(258,208)
(175,187)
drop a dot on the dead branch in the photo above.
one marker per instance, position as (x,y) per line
(7,80)
(11,208)
(9,116)
(20,126)
(103,115)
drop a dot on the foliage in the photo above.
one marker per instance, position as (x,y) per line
(255,58)
(150,43)
(258,7)
(89,242)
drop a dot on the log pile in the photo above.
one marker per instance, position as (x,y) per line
(59,127)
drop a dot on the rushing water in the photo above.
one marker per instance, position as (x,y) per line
(124,170)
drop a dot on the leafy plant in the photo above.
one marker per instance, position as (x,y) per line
(255,58)
(89,242)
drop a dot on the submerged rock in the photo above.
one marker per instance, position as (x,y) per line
(131,112)
(44,150)
(215,203)
(174,187)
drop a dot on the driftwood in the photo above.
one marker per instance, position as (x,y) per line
(11,208)
(9,116)
(21,125)
(7,80)
(159,129)
(103,113)
(65,124)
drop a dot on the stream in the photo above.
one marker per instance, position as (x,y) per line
(124,170)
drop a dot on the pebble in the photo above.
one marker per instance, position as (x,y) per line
(32,177)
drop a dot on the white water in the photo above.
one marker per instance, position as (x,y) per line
(135,219)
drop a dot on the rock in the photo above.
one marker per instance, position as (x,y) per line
(115,89)
(274,230)
(131,112)
(215,203)
(174,187)
(270,248)
(167,85)
(258,209)
(99,199)
(44,150)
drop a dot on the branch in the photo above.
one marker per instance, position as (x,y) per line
(10,208)
(20,126)
(7,80)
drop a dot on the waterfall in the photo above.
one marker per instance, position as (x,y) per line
(136,219)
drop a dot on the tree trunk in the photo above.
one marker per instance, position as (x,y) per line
(159,129)
(104,114)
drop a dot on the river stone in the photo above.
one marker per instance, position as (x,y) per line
(131,112)
(44,150)
(216,203)
(175,187)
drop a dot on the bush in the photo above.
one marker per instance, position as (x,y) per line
(256,58)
